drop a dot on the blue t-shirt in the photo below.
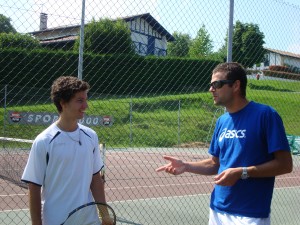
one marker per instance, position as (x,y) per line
(247,138)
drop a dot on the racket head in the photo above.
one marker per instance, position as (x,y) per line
(82,215)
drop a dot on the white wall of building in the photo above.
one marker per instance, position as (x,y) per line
(141,31)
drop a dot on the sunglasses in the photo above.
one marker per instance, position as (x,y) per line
(219,83)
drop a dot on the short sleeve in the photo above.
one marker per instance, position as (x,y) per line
(275,132)
(98,161)
(35,168)
(214,148)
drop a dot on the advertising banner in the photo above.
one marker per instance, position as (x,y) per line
(45,118)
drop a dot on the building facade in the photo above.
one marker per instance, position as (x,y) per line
(275,57)
(148,36)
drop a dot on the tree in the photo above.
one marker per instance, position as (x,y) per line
(247,45)
(16,40)
(202,44)
(5,25)
(107,37)
(221,53)
(179,47)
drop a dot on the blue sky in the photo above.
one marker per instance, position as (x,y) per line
(279,20)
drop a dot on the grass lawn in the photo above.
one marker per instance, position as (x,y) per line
(166,121)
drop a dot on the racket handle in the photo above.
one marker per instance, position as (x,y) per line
(103,211)
(102,147)
(105,215)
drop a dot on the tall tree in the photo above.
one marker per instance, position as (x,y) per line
(5,25)
(179,47)
(247,46)
(202,44)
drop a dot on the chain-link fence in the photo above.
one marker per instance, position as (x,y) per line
(149,64)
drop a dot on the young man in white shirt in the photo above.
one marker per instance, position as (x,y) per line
(63,167)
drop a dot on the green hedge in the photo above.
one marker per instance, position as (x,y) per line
(115,74)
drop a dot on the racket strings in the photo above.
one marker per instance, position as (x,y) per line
(94,214)
(84,216)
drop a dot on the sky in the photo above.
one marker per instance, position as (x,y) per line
(279,20)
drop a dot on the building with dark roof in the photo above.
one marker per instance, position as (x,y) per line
(149,37)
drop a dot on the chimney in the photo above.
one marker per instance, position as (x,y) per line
(43,21)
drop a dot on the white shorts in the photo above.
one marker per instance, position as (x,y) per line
(216,218)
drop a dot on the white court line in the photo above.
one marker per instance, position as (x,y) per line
(289,177)
(13,210)
(165,185)
(147,199)
(117,156)
(157,152)
(15,139)
(12,195)
(158,198)
(179,196)
(177,184)
(159,185)
(279,188)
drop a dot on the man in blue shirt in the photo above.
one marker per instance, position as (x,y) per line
(248,149)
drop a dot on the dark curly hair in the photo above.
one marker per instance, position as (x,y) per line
(64,88)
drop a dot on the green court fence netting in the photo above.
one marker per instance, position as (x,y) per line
(149,64)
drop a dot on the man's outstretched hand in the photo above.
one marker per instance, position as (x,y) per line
(175,167)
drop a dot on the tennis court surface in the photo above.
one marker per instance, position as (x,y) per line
(140,195)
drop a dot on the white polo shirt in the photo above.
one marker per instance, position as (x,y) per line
(63,165)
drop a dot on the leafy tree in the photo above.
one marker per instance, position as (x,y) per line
(247,45)
(16,40)
(222,51)
(202,44)
(179,47)
(218,56)
(5,25)
(107,37)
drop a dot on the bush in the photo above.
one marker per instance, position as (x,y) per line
(293,69)
(18,41)
(287,68)
(107,74)
(281,74)
(279,68)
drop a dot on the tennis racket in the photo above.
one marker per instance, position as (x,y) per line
(82,215)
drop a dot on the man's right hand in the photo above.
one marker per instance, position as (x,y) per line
(175,167)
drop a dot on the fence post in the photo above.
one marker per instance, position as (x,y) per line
(178,122)
(230,31)
(81,43)
(4,115)
(130,121)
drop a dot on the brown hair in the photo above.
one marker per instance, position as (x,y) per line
(65,87)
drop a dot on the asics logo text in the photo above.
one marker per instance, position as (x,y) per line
(232,134)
